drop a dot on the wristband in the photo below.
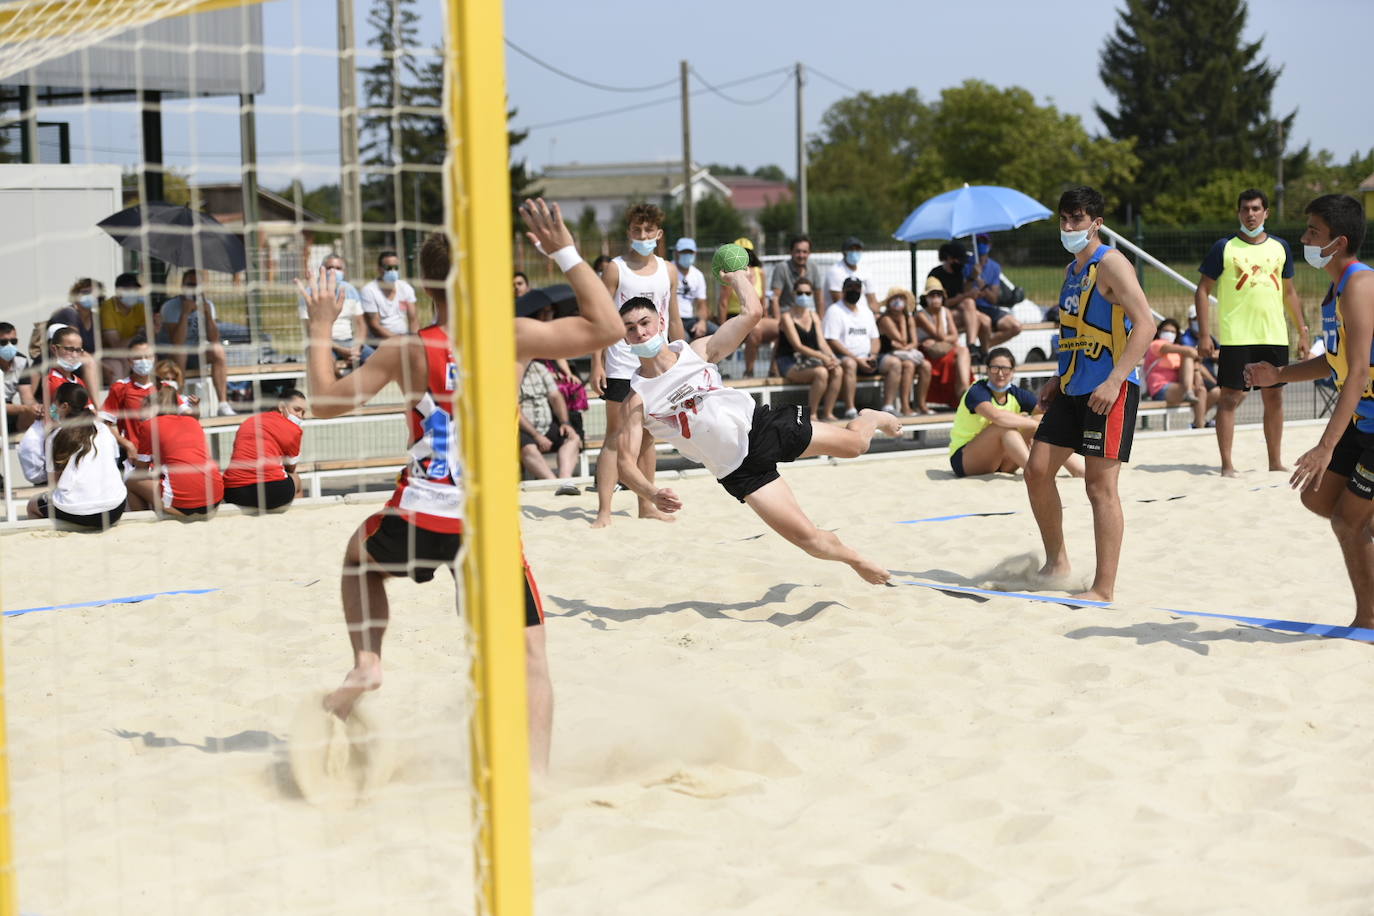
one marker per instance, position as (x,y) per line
(566,258)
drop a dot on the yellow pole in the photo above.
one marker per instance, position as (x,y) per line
(483,319)
(9,884)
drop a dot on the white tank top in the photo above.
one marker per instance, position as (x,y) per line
(690,406)
(620,362)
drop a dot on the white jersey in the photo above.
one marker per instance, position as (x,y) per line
(620,362)
(690,406)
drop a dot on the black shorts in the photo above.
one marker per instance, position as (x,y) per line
(1353,459)
(274,495)
(617,389)
(553,434)
(956,461)
(390,540)
(1070,423)
(1233,359)
(196,510)
(98,521)
(774,435)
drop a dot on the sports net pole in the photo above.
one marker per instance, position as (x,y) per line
(483,326)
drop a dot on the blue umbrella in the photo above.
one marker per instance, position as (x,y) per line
(968,211)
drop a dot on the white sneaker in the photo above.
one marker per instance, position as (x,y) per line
(567,488)
(850,414)
(890,408)
(226,410)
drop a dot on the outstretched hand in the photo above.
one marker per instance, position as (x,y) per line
(323,298)
(545,223)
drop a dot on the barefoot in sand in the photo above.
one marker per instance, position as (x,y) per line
(1093,595)
(366,675)
(871,572)
(656,515)
(602,521)
(1229,472)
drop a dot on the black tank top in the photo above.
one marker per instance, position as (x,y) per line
(807,338)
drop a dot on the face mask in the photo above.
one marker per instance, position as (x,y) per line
(896,305)
(686,261)
(999,388)
(1314,255)
(8,352)
(391,275)
(1168,336)
(52,411)
(71,365)
(295,419)
(169,383)
(852,258)
(1252,233)
(142,367)
(188,293)
(129,300)
(87,301)
(644,246)
(338,273)
(1074,242)
(649,348)
(852,296)
(806,302)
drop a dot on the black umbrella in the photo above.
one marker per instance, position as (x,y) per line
(560,296)
(178,235)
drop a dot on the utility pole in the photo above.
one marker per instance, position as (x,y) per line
(689,210)
(350,189)
(802,221)
(397,153)
(1278,188)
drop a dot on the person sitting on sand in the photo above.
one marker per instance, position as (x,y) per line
(677,394)
(995,422)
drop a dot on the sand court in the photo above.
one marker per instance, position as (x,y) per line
(738,727)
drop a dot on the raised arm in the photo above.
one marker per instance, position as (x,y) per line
(731,334)
(598,323)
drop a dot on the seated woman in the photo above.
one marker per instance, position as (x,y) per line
(1174,373)
(804,358)
(262,469)
(88,489)
(938,338)
(185,480)
(995,422)
(897,331)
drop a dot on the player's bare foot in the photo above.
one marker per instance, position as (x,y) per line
(1093,594)
(871,572)
(883,421)
(365,676)
(1229,472)
(656,515)
(1280,466)
(602,521)
(1052,572)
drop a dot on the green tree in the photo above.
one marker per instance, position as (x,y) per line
(1324,175)
(588,230)
(716,222)
(522,184)
(770,173)
(834,217)
(1195,97)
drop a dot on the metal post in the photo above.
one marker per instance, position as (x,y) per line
(1151,259)
(689,210)
(28,115)
(248,152)
(803,222)
(397,153)
(151,188)
(350,188)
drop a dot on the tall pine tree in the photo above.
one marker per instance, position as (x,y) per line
(1193,94)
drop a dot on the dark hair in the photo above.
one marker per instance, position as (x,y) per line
(1082,198)
(63,332)
(521,275)
(435,260)
(803,280)
(951,250)
(753,258)
(1174,321)
(76,436)
(643,213)
(127,280)
(638,302)
(82,285)
(1343,215)
(794,241)
(1001,351)
(5,326)
(600,262)
(1252,194)
(290,394)
(137,339)
(386,253)
(189,274)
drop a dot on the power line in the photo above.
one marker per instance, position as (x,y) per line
(832,79)
(585,82)
(759,101)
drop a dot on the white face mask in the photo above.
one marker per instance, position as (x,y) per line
(1168,336)
(1314,256)
(71,365)
(142,367)
(170,383)
(1252,233)
(649,348)
(295,419)
(1074,242)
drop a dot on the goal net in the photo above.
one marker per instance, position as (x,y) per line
(189,704)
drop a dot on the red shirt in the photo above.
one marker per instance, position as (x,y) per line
(429,493)
(56,380)
(262,445)
(190,478)
(124,404)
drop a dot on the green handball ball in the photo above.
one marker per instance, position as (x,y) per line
(728,258)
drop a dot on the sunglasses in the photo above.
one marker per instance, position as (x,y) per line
(8,340)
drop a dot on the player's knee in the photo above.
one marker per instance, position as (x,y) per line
(1101,491)
(1230,399)
(1314,503)
(1346,524)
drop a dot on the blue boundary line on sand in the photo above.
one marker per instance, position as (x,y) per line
(946,518)
(1327,631)
(132,599)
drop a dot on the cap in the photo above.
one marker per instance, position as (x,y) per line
(685,244)
(852,283)
(744,243)
(852,242)
(1192,312)
(54,328)
(933,284)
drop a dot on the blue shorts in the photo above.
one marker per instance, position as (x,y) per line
(956,461)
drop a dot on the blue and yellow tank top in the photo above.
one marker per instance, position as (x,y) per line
(1092,331)
(1333,336)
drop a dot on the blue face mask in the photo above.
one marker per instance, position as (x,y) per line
(852,258)
(1074,242)
(8,352)
(87,301)
(999,388)
(391,275)
(644,246)
(687,261)
(1252,233)
(649,348)
(129,300)
(806,302)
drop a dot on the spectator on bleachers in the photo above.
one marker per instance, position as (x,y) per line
(728,306)
(988,295)
(937,336)
(852,331)
(545,428)
(995,422)
(1190,337)
(846,268)
(67,361)
(82,464)
(185,481)
(21,407)
(124,404)
(599,265)
(389,302)
(804,358)
(537,304)
(952,272)
(167,372)
(1174,374)
(691,291)
(521,283)
(348,335)
(123,317)
(897,333)
(786,274)
(261,474)
(190,328)
(80,314)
